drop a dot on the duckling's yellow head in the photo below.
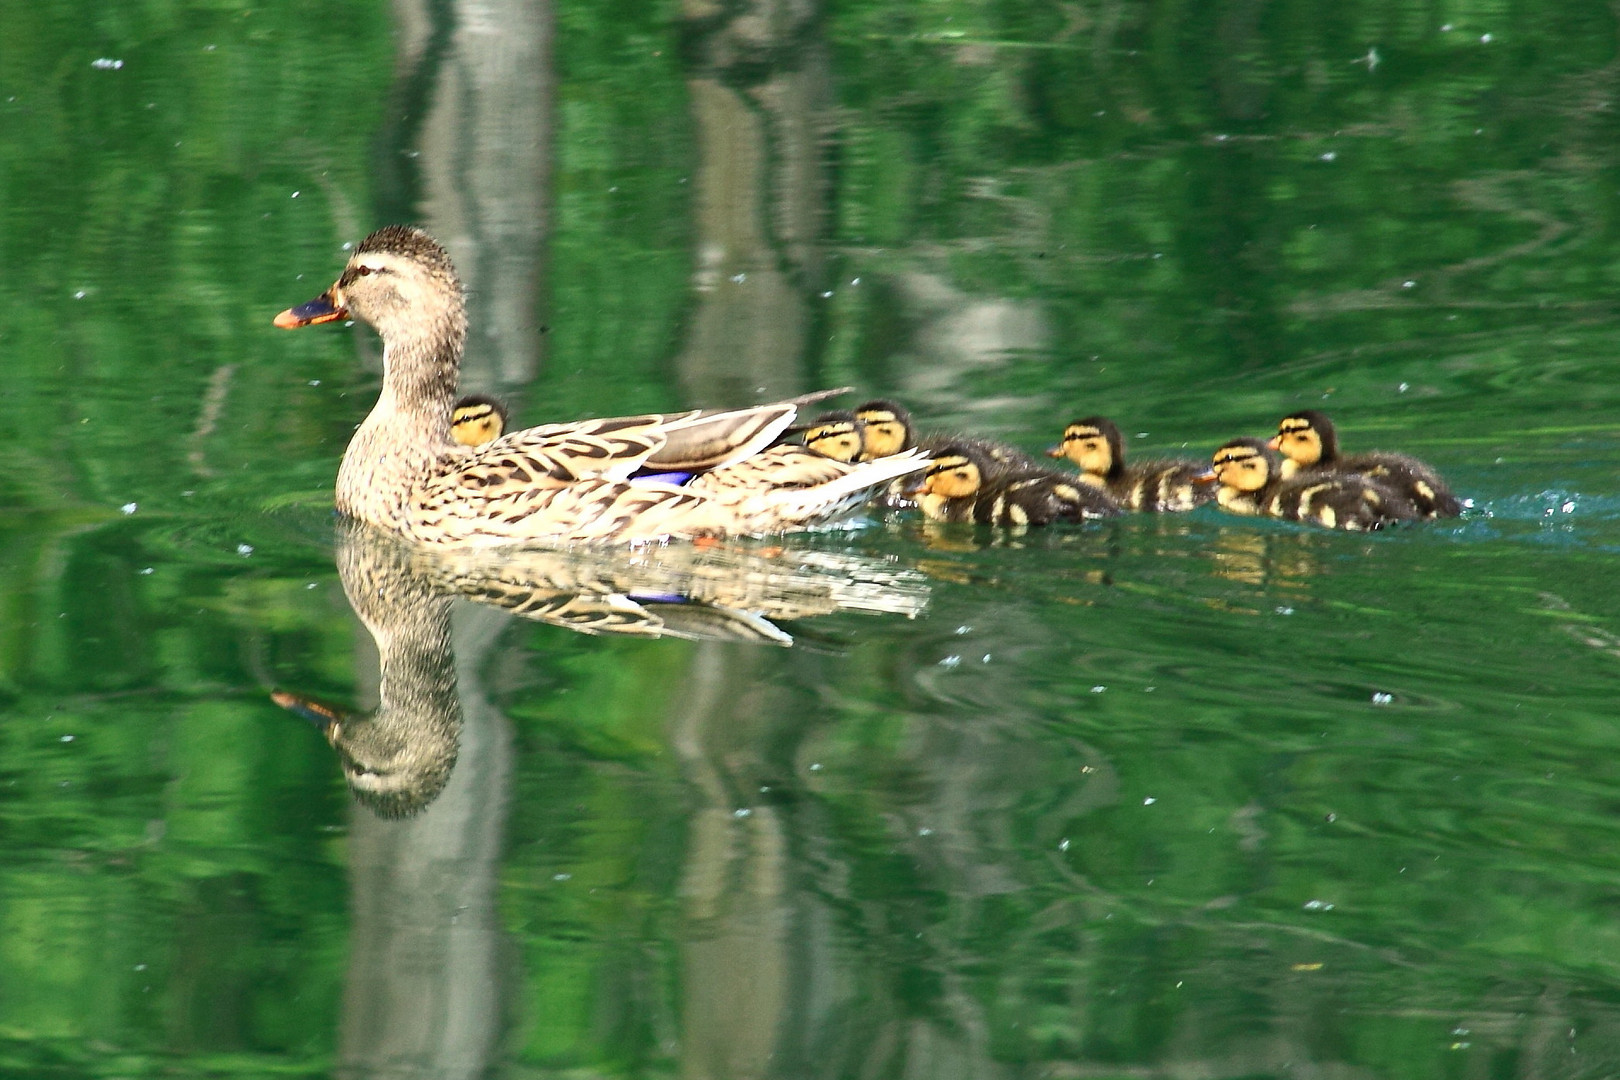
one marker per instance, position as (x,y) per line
(477,419)
(956,473)
(886,429)
(1094,444)
(399,280)
(1244,465)
(835,434)
(1306,438)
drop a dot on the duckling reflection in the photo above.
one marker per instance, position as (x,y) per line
(398,758)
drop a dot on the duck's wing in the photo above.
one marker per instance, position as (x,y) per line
(785,465)
(615,447)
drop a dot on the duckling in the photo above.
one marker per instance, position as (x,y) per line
(1250,476)
(963,483)
(836,434)
(477,419)
(1096,446)
(1308,442)
(888,429)
(626,479)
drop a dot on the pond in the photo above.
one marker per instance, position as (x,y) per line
(1184,795)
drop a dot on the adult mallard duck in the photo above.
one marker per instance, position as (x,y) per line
(1250,479)
(963,483)
(1096,445)
(702,473)
(477,419)
(1308,442)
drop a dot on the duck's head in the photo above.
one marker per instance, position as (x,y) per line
(957,472)
(477,419)
(835,434)
(396,776)
(398,279)
(1306,438)
(1094,444)
(1243,465)
(887,429)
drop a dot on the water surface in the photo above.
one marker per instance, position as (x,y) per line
(1176,796)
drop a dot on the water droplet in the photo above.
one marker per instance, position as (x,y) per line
(1063,845)
(1331,155)
(1098,689)
(738,279)
(129,508)
(67,738)
(562,877)
(314,382)
(1382,698)
(950,661)
(1149,801)
(1403,388)
(741,812)
(925,831)
(296,194)
(1408,284)
(1318,905)
(1485,39)
(146,570)
(105,63)
(244,550)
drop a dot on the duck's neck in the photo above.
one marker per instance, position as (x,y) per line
(408,430)
(1236,501)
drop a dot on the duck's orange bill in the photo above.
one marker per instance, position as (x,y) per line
(1275,442)
(318,713)
(914,489)
(1055,450)
(1205,478)
(321,309)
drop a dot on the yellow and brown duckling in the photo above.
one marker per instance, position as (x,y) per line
(477,419)
(1095,445)
(1308,443)
(837,434)
(1249,476)
(963,483)
(887,429)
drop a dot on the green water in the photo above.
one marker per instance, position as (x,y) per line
(1191,796)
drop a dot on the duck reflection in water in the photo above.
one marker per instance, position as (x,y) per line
(399,757)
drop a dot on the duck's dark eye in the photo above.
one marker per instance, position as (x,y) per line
(363,270)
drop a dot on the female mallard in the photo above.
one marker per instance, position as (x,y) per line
(1251,482)
(631,478)
(477,419)
(1096,446)
(1308,441)
(963,483)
